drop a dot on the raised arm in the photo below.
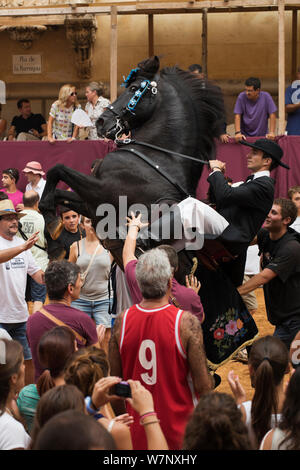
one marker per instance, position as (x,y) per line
(142,402)
(134,226)
(10,253)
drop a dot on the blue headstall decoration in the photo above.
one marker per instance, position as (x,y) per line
(132,76)
(144,87)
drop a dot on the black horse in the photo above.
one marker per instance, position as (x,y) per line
(170,115)
(174,110)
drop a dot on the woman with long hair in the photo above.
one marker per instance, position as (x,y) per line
(287,435)
(12,372)
(95,106)
(56,346)
(95,263)
(54,401)
(268,364)
(88,369)
(216,424)
(60,126)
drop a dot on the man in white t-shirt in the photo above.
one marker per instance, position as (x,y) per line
(31,223)
(34,174)
(16,261)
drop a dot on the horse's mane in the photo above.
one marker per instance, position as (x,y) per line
(206,103)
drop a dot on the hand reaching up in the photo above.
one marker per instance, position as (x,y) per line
(236,387)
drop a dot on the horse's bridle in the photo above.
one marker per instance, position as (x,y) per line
(127,141)
(146,85)
(122,125)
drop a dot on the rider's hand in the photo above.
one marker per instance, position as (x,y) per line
(217,164)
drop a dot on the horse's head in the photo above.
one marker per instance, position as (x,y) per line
(135,105)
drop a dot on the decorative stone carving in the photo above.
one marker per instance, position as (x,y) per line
(81,32)
(24,34)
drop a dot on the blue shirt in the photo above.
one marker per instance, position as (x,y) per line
(293,119)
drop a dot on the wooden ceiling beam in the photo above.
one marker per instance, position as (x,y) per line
(143,7)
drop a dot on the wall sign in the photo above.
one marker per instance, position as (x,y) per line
(27,63)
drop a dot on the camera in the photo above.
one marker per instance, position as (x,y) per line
(122,389)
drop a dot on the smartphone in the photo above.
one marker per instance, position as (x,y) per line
(122,389)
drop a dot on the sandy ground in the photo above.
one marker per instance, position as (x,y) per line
(264,328)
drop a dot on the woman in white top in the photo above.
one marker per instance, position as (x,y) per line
(287,435)
(268,364)
(12,371)
(59,125)
(95,106)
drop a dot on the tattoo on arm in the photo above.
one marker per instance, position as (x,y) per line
(192,336)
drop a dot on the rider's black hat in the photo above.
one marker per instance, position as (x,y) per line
(270,149)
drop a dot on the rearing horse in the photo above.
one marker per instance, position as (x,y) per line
(175,113)
(174,110)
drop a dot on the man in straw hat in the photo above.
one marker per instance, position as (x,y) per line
(16,262)
(34,173)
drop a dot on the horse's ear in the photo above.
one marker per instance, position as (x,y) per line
(150,66)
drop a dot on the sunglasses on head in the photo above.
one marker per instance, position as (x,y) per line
(73,93)
(10,173)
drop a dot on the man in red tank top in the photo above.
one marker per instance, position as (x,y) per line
(162,347)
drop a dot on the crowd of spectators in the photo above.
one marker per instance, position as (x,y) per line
(58,125)
(168,400)
(73,378)
(254,113)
